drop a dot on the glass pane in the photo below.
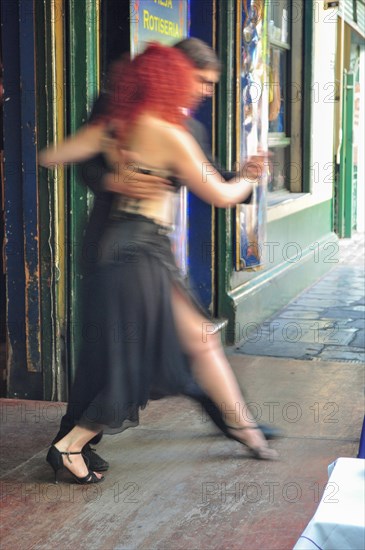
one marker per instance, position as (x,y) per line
(280,171)
(279,21)
(278,90)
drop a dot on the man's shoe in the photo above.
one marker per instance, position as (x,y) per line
(94,462)
(270,432)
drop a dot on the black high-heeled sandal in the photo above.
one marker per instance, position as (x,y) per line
(257,452)
(54,459)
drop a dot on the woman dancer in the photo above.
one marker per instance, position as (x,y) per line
(144,332)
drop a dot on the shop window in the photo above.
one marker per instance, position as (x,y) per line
(285,31)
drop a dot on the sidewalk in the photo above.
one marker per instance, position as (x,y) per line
(174,482)
(326,322)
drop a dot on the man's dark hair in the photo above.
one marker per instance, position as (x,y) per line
(200,54)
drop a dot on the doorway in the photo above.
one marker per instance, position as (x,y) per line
(115,32)
(3,384)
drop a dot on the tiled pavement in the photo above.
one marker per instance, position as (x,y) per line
(326,322)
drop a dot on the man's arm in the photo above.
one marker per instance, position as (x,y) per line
(92,173)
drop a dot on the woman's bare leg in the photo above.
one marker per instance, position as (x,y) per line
(74,441)
(213,371)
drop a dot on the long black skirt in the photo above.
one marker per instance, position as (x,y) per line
(130,349)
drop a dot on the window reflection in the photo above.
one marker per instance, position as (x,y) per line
(279,15)
(277,90)
(280,169)
(279,108)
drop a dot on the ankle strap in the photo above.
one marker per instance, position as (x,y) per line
(70,452)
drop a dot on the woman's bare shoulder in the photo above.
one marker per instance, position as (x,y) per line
(160,126)
(159,139)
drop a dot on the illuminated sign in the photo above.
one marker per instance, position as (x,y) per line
(164,21)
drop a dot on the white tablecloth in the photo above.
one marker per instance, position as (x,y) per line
(338,523)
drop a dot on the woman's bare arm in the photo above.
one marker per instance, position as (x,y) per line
(86,143)
(200,176)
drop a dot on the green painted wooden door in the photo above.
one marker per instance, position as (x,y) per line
(83,84)
(345,187)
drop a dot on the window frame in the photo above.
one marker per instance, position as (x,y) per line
(292,137)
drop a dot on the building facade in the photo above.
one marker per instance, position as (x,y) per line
(282,88)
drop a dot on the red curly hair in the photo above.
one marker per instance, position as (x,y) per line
(160,80)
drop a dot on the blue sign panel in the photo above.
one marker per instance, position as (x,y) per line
(164,21)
